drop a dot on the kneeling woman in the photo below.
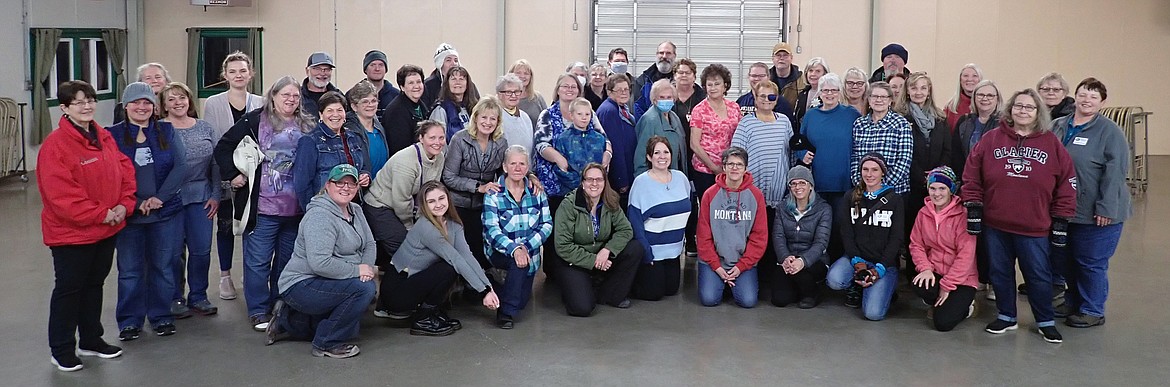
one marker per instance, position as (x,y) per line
(731,256)
(660,203)
(516,223)
(944,253)
(801,236)
(424,268)
(328,282)
(872,230)
(594,241)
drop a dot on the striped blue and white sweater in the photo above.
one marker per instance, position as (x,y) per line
(658,214)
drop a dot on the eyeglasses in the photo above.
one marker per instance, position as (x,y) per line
(733,165)
(289,95)
(782,54)
(1024,108)
(368,101)
(84,102)
(568,86)
(984,96)
(830,91)
(1051,89)
(769,97)
(510,93)
(854,83)
(879,97)
(798,183)
(594,180)
(620,91)
(345,184)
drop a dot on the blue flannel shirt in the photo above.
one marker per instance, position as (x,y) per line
(892,138)
(507,225)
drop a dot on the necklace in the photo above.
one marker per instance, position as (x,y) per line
(669,178)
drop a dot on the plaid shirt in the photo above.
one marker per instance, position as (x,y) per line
(507,224)
(892,138)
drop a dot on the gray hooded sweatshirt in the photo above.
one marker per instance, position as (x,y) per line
(328,245)
(1100,154)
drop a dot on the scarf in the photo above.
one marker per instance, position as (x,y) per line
(924,118)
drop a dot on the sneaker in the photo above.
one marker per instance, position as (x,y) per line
(380,313)
(165,329)
(971,309)
(339,352)
(129,333)
(227,289)
(102,350)
(1081,320)
(203,308)
(260,322)
(990,293)
(67,362)
(1000,326)
(274,332)
(853,297)
(1051,335)
(179,310)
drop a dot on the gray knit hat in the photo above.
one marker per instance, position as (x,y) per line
(139,90)
(801,172)
(372,56)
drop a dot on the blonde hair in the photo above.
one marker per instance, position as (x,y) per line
(528,89)
(178,87)
(903,105)
(483,107)
(953,104)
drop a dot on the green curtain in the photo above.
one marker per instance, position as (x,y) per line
(256,48)
(193,50)
(116,48)
(45,40)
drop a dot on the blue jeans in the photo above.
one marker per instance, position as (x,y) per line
(1086,261)
(516,290)
(328,311)
(146,282)
(196,235)
(1032,252)
(272,235)
(746,290)
(875,299)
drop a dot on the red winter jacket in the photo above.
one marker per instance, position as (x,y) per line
(939,241)
(79,183)
(1022,181)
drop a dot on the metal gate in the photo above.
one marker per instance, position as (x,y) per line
(735,33)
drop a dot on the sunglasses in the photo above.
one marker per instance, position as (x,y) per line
(769,97)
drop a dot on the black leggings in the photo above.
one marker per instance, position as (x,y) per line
(388,230)
(550,254)
(578,291)
(401,293)
(787,289)
(473,230)
(953,310)
(657,279)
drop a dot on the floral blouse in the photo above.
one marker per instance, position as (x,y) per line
(716,136)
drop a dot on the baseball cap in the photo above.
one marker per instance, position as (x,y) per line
(341,171)
(320,58)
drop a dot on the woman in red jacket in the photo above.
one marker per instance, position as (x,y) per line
(87,186)
(944,253)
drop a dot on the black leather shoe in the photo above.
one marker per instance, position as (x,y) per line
(442,316)
(429,324)
(504,321)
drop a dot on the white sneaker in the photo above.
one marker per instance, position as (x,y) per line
(227,289)
(971,309)
(990,293)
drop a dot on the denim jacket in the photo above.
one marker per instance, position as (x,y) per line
(321,150)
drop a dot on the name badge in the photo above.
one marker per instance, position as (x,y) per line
(1080,141)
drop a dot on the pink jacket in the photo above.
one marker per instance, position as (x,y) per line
(940,242)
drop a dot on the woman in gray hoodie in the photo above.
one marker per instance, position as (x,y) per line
(328,283)
(801,236)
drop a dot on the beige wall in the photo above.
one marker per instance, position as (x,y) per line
(1014,41)
(1124,44)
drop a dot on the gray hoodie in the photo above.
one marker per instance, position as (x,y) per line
(1100,153)
(328,245)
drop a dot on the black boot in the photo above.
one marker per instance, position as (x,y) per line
(427,323)
(853,296)
(442,316)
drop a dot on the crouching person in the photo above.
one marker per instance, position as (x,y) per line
(944,253)
(328,283)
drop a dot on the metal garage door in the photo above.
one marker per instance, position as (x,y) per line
(735,33)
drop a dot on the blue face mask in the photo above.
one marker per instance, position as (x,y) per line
(665,104)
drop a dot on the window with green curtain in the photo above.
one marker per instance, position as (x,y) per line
(211,45)
(81,54)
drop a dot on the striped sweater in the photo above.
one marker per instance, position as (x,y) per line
(768,154)
(658,214)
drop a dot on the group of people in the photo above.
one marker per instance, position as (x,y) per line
(408,197)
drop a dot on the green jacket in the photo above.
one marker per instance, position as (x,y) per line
(574,238)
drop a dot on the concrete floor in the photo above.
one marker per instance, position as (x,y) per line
(671,342)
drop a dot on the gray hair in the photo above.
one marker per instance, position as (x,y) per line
(507,79)
(167,74)
(734,151)
(515,149)
(1054,76)
(577,65)
(829,80)
(660,85)
(302,120)
(818,61)
(598,66)
(953,104)
(998,96)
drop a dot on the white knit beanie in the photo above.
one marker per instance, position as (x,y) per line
(442,53)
